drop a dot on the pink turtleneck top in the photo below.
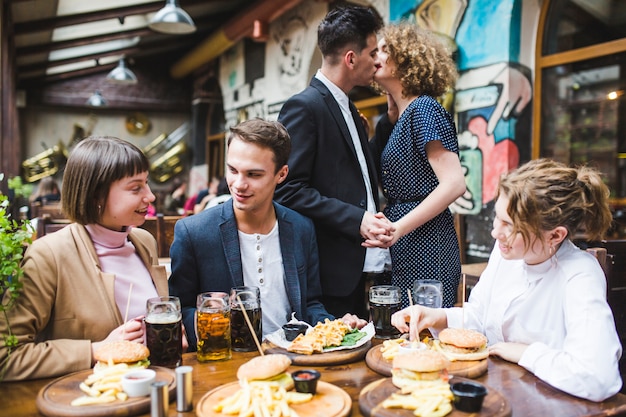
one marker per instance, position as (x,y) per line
(118,256)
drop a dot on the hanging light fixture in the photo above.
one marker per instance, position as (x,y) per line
(172,19)
(96,100)
(121,74)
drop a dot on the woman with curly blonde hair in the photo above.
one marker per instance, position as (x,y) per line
(419,163)
(541,301)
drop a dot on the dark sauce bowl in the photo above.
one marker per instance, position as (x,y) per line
(468,396)
(305,380)
(292,330)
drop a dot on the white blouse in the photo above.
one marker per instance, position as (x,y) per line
(559,309)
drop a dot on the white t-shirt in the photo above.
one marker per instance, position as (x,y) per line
(559,309)
(262,264)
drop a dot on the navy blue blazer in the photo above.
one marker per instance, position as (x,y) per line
(206,256)
(325,183)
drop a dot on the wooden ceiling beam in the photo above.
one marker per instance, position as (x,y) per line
(52,23)
(90,40)
(42,66)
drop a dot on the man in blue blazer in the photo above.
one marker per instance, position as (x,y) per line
(332,177)
(250,240)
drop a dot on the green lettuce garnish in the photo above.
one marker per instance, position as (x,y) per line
(351,338)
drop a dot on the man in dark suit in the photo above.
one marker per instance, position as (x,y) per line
(250,240)
(332,178)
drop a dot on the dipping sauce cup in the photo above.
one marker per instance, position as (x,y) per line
(137,383)
(468,396)
(305,380)
(292,330)
(408,347)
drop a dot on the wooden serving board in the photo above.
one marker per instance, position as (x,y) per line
(371,397)
(328,401)
(336,357)
(466,369)
(54,399)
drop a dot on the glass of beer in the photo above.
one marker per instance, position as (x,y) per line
(427,292)
(384,301)
(248,299)
(213,326)
(164,334)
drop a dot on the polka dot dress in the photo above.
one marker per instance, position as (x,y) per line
(431,251)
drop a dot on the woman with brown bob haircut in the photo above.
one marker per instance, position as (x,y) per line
(77,281)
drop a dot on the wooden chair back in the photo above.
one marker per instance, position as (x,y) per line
(165,233)
(151,226)
(162,228)
(459,227)
(606,261)
(52,210)
(47,225)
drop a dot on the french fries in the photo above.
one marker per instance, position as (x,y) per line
(425,398)
(389,348)
(262,399)
(102,387)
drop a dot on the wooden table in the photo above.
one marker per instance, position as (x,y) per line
(527,395)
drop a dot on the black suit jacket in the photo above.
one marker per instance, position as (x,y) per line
(325,183)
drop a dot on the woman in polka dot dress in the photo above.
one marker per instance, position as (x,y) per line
(420,168)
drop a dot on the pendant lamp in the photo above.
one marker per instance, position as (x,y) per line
(172,19)
(121,74)
(96,100)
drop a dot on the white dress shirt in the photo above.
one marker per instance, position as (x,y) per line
(559,309)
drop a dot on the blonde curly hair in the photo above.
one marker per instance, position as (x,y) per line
(424,65)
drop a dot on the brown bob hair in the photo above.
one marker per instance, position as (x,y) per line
(94,164)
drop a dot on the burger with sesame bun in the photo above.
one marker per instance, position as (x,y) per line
(425,366)
(134,354)
(462,344)
(267,368)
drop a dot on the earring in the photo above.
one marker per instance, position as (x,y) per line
(553,259)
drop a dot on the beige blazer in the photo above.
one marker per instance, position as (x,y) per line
(66,303)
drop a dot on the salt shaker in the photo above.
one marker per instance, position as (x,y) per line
(159,399)
(184,388)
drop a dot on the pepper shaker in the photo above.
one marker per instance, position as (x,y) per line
(184,388)
(159,399)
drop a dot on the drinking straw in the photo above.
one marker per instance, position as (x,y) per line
(463,302)
(408,292)
(130,290)
(252,332)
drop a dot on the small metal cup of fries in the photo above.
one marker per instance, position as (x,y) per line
(265,390)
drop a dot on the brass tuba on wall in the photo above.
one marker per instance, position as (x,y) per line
(166,154)
(45,163)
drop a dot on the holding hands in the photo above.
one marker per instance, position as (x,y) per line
(377,230)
